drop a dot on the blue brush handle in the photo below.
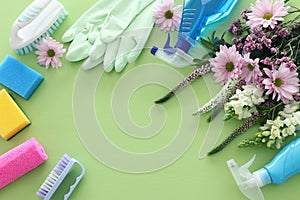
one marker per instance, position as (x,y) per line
(72,187)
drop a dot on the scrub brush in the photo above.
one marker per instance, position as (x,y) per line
(57,175)
(39,19)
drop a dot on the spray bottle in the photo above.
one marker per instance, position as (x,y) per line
(195,16)
(284,165)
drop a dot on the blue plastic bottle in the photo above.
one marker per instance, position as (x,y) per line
(284,165)
(195,16)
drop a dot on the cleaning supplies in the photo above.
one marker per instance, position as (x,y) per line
(40,18)
(12,119)
(284,165)
(57,175)
(19,77)
(177,58)
(195,16)
(127,47)
(20,160)
(109,34)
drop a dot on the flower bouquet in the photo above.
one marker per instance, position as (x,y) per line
(259,70)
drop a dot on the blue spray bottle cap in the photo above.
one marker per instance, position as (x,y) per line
(154,50)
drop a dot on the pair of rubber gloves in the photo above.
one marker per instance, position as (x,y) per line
(112,32)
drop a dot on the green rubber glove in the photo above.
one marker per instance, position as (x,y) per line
(85,30)
(104,21)
(126,47)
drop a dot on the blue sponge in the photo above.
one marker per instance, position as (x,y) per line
(18,77)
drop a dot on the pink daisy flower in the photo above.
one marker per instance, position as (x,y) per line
(282,82)
(167,17)
(49,51)
(250,69)
(227,64)
(266,13)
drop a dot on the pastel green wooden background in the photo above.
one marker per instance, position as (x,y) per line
(50,110)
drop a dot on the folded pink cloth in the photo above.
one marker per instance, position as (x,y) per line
(21,160)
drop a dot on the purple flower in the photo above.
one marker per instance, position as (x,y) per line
(244,14)
(236,27)
(265,13)
(267,61)
(250,70)
(227,64)
(283,32)
(167,17)
(267,42)
(281,82)
(49,51)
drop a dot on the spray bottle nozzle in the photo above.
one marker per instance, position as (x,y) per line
(248,183)
(174,56)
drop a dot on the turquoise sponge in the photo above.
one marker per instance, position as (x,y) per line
(18,77)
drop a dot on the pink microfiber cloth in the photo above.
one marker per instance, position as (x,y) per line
(20,160)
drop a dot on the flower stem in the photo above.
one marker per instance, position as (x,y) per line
(249,122)
(215,112)
(223,96)
(189,79)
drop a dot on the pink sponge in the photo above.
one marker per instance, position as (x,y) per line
(20,160)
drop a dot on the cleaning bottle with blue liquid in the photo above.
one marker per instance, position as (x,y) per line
(284,165)
(195,16)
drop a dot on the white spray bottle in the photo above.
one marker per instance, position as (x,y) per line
(284,165)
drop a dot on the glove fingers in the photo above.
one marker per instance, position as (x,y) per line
(125,48)
(73,32)
(98,49)
(89,63)
(110,55)
(119,18)
(95,14)
(79,48)
(140,44)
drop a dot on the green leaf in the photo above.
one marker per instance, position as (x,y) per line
(208,44)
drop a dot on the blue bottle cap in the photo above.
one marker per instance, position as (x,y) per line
(154,50)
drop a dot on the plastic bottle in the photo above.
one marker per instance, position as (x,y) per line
(195,16)
(284,165)
(177,59)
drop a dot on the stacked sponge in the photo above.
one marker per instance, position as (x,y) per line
(12,119)
(18,77)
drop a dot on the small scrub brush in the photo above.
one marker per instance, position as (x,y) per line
(57,175)
(39,19)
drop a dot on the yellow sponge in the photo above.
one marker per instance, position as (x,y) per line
(12,119)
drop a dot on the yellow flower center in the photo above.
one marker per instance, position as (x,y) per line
(51,53)
(229,66)
(268,16)
(278,82)
(168,14)
(251,67)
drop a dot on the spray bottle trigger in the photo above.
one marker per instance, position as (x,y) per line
(167,47)
(244,170)
(245,180)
